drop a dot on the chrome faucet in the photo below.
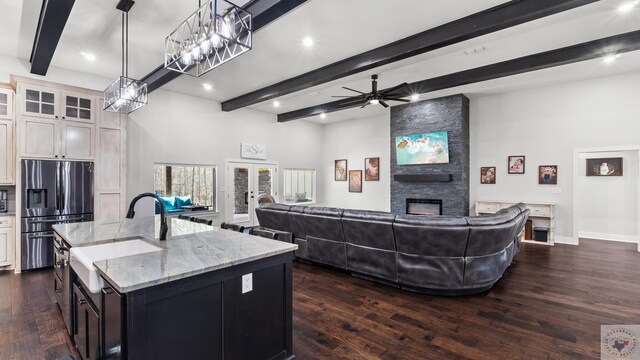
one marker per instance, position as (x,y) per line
(163,219)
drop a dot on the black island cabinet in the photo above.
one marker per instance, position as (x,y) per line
(206,316)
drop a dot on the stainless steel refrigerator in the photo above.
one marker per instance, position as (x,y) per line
(53,192)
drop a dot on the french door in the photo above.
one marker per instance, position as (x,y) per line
(245,182)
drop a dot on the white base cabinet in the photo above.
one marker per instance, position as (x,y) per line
(7,155)
(539,213)
(7,239)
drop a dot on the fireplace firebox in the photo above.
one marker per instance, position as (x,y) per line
(424,207)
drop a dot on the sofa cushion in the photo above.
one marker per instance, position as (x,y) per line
(296,214)
(324,211)
(372,262)
(482,271)
(323,223)
(274,216)
(368,215)
(275,206)
(302,252)
(434,272)
(169,202)
(369,228)
(431,235)
(183,201)
(327,252)
(490,234)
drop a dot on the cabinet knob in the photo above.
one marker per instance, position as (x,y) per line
(63,117)
(56,116)
(56,155)
(83,301)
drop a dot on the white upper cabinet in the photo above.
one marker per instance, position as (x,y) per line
(6,104)
(39,138)
(78,141)
(7,158)
(38,101)
(51,103)
(78,107)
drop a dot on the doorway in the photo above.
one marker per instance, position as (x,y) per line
(245,182)
(607,207)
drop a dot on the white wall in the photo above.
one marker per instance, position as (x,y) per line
(175,128)
(545,124)
(356,140)
(14,66)
(607,207)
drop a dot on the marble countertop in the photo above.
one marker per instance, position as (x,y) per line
(90,233)
(189,250)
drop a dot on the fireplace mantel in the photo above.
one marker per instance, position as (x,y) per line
(423,177)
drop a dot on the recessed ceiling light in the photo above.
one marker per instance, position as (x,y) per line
(608,59)
(415,97)
(88,56)
(307,41)
(627,6)
(276,104)
(323,116)
(207,86)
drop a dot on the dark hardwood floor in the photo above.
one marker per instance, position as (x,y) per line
(31,326)
(549,305)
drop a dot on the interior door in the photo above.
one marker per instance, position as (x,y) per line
(245,182)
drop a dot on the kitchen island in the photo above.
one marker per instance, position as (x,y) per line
(204,293)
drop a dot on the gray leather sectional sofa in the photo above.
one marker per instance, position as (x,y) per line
(429,254)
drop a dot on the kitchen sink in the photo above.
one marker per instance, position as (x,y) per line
(82,258)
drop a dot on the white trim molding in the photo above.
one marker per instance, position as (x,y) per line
(576,175)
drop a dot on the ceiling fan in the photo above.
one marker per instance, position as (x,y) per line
(378,97)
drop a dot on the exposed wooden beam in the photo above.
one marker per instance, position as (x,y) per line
(585,51)
(497,18)
(53,18)
(263,13)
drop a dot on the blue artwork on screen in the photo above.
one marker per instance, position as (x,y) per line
(432,148)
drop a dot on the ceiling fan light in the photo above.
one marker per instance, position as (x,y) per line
(374,101)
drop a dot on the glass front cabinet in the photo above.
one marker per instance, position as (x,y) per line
(42,102)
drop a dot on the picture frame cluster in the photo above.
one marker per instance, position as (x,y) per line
(548,174)
(516,164)
(371,172)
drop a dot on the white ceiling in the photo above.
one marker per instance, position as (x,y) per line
(340,28)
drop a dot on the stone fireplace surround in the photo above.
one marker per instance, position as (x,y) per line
(449,114)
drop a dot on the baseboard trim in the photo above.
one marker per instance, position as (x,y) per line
(609,237)
(566,240)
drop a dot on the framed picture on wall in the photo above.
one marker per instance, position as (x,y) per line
(372,169)
(548,174)
(604,167)
(340,170)
(355,181)
(515,164)
(488,175)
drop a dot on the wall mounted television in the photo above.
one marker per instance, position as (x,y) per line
(431,148)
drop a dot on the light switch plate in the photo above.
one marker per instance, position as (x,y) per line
(247,283)
(556,190)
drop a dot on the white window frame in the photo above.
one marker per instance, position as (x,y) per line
(314,185)
(216,189)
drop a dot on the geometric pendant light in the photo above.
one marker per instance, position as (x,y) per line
(217,32)
(125,94)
